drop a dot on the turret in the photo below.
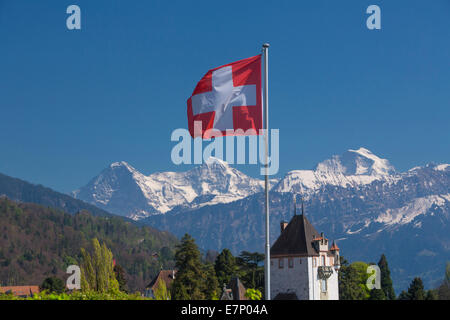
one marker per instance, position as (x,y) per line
(335,251)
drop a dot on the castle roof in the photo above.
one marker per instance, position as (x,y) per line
(164,275)
(296,238)
(334,247)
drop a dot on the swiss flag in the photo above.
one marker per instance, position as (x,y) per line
(228,98)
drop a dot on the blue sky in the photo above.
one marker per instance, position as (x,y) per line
(71,102)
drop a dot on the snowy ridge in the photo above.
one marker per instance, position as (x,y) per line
(442,167)
(123,190)
(163,191)
(169,189)
(408,213)
(353,168)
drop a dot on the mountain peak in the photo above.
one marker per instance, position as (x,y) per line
(357,162)
(122,164)
(352,168)
(363,151)
(216,161)
(216,164)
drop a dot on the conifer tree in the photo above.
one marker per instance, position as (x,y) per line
(416,290)
(120,276)
(53,284)
(225,267)
(211,283)
(189,282)
(386,281)
(403,296)
(377,294)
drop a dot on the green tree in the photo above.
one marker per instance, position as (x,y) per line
(225,267)
(386,281)
(377,294)
(444,289)
(53,285)
(211,282)
(403,296)
(416,290)
(432,295)
(97,269)
(361,269)
(351,281)
(251,272)
(161,292)
(253,294)
(121,279)
(189,284)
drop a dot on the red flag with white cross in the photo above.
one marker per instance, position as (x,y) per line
(226,99)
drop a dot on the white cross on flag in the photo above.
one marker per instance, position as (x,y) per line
(228,98)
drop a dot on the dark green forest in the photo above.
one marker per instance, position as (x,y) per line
(37,242)
(22,191)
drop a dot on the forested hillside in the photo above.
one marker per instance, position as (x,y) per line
(38,242)
(23,191)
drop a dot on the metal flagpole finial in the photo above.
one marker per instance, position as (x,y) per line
(266,45)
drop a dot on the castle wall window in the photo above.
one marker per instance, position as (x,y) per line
(324,262)
(314,262)
(300,260)
(281,263)
(291,263)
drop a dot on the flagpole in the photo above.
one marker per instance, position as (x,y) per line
(266,180)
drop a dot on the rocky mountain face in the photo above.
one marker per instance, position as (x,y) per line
(123,190)
(357,199)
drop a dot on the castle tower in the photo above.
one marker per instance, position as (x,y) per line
(302,265)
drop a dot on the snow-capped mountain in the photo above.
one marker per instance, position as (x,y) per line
(123,190)
(353,168)
(357,198)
